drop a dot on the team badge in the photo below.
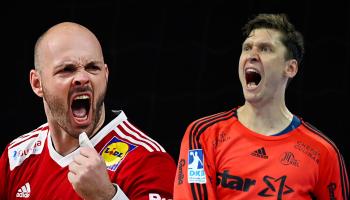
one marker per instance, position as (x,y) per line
(115,151)
(196,172)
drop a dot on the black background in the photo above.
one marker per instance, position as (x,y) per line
(172,62)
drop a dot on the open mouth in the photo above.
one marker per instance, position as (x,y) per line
(252,77)
(81,107)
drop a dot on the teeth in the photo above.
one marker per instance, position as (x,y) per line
(82,97)
(251,70)
(251,85)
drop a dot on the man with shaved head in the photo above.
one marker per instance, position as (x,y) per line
(260,150)
(83,151)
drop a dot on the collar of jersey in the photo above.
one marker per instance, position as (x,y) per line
(64,161)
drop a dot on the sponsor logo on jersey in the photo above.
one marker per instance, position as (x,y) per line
(17,153)
(21,151)
(24,191)
(155,196)
(260,153)
(181,175)
(331,188)
(221,138)
(308,150)
(275,187)
(115,151)
(288,158)
(196,172)
(232,182)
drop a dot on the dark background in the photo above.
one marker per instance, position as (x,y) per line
(171,63)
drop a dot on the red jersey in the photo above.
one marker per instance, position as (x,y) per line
(30,168)
(222,159)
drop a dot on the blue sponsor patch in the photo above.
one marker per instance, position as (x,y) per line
(196,173)
(115,151)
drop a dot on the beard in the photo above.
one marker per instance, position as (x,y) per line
(59,111)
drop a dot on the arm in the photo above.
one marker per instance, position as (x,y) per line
(193,183)
(333,179)
(4,168)
(147,175)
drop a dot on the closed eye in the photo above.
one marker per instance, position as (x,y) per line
(66,69)
(93,68)
(69,68)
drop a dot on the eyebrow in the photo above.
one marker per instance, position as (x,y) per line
(91,63)
(66,63)
(258,44)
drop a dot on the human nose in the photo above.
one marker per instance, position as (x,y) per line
(253,55)
(81,78)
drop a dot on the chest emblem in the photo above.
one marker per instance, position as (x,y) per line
(115,151)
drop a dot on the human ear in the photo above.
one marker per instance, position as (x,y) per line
(35,82)
(107,72)
(291,68)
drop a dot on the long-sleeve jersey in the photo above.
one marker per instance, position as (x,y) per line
(30,168)
(222,159)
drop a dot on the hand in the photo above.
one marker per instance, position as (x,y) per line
(89,177)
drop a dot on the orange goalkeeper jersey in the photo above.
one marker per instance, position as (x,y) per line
(222,159)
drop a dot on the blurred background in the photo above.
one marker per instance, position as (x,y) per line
(172,62)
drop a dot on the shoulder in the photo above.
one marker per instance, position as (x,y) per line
(26,145)
(123,133)
(222,119)
(133,136)
(137,161)
(206,129)
(27,137)
(217,117)
(127,142)
(120,140)
(319,140)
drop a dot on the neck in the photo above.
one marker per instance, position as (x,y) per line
(64,142)
(267,120)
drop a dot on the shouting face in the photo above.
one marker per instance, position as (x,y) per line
(263,68)
(71,76)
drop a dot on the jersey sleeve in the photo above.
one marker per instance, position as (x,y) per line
(4,169)
(333,180)
(148,176)
(194,179)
